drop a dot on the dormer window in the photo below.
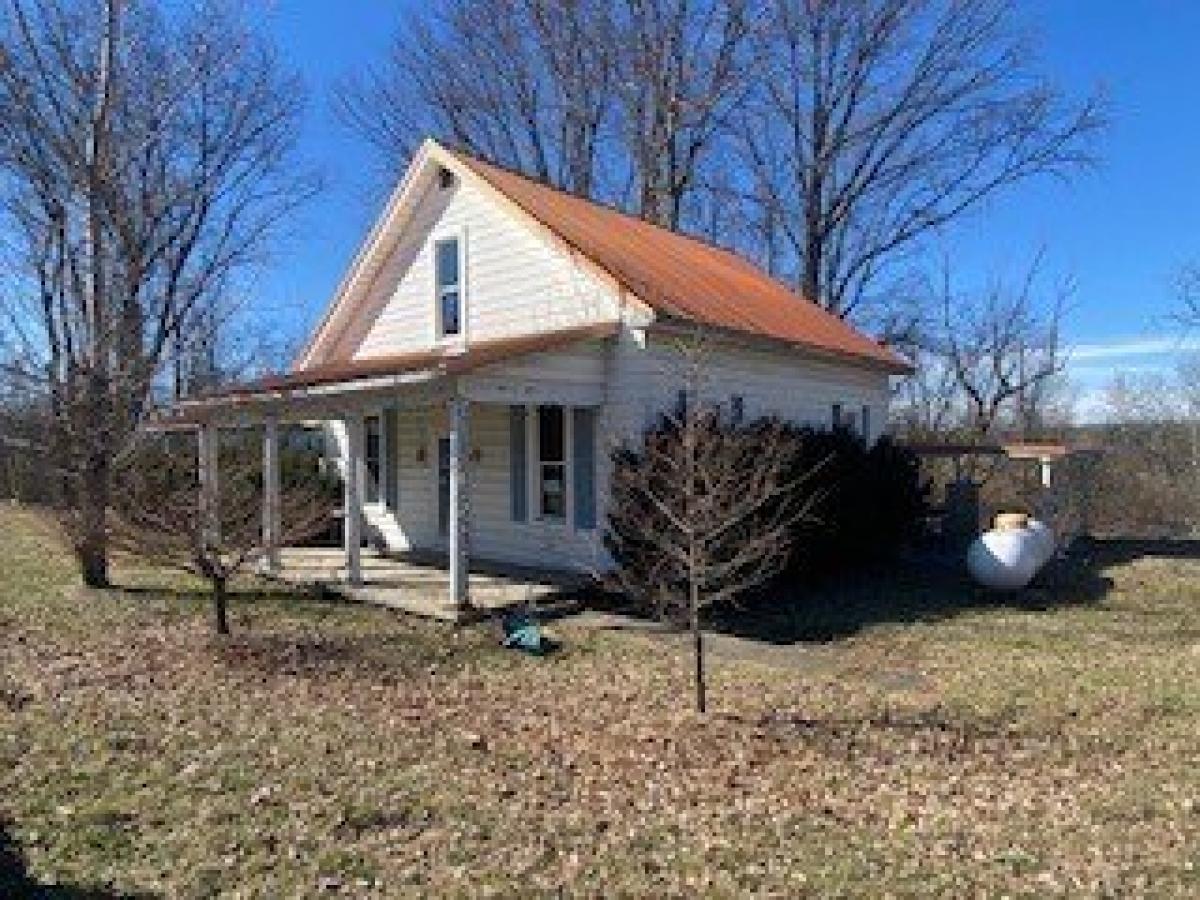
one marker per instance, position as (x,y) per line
(448,287)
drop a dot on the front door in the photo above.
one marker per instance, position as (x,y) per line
(443,485)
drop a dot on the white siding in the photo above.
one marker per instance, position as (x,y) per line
(787,384)
(493,534)
(645,378)
(635,383)
(573,375)
(517,279)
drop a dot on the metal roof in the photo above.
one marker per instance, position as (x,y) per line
(683,277)
(439,361)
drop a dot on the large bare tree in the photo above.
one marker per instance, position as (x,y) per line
(829,138)
(145,162)
(622,101)
(682,68)
(876,122)
(535,95)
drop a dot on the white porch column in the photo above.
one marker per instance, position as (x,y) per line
(271,504)
(353,504)
(459,504)
(208,450)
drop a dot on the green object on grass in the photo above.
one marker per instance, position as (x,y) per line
(522,632)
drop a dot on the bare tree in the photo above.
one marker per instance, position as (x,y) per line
(876,122)
(704,509)
(160,516)
(999,353)
(844,133)
(683,66)
(144,163)
(535,96)
(625,102)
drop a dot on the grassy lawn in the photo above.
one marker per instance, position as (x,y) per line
(330,748)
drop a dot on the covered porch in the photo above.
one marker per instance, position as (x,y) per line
(441,512)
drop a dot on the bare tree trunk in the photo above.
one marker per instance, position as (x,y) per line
(698,644)
(92,549)
(220,611)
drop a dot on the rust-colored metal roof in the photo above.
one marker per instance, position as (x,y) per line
(681,276)
(441,361)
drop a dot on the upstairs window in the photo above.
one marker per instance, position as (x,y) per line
(448,279)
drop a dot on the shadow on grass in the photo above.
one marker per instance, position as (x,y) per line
(276,597)
(15,880)
(920,589)
(1115,551)
(924,588)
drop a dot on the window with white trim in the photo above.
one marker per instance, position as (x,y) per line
(373,457)
(552,462)
(448,287)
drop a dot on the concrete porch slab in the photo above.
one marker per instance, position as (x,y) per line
(419,583)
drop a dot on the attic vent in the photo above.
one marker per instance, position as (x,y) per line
(445,179)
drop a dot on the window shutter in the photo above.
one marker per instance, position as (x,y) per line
(517,463)
(584,440)
(391,443)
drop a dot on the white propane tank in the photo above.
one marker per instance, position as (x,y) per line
(1007,557)
(1043,540)
(1003,560)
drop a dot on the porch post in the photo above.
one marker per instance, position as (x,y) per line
(459,505)
(208,455)
(271,510)
(353,498)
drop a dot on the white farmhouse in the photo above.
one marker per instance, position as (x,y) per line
(495,337)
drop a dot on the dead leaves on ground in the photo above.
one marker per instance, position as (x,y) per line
(361,753)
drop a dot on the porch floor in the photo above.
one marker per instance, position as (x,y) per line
(419,583)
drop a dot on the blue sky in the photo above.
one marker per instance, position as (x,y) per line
(1121,232)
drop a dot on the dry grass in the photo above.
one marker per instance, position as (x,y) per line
(342,749)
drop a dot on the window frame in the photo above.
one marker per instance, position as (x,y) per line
(378,497)
(566,464)
(533,471)
(438,291)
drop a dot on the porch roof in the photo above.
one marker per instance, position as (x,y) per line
(380,372)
